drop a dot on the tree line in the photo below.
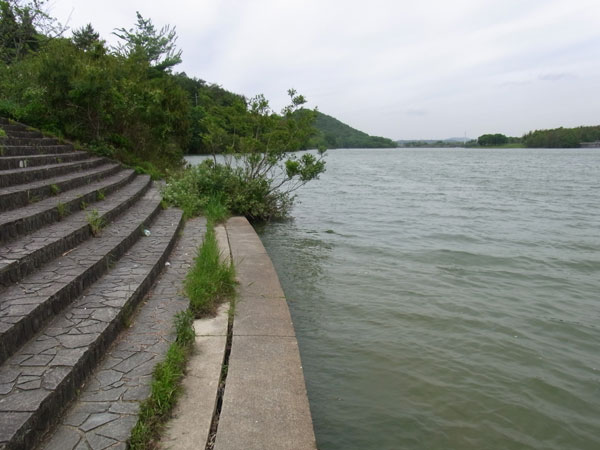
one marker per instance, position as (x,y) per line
(123,101)
(126,102)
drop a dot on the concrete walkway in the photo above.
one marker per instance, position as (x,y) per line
(265,406)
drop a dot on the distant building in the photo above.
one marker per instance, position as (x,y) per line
(595,144)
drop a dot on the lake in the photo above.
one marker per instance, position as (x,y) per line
(448,298)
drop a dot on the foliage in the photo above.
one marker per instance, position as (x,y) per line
(164,387)
(126,104)
(95,221)
(62,209)
(145,43)
(331,133)
(2,133)
(561,137)
(21,26)
(492,139)
(76,89)
(88,40)
(210,280)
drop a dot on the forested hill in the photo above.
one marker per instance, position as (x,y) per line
(561,137)
(331,133)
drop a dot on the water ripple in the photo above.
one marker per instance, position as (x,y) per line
(448,299)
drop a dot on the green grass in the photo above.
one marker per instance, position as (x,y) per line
(208,283)
(165,386)
(63,210)
(2,132)
(95,221)
(210,280)
(54,189)
(100,195)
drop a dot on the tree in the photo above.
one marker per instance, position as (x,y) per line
(492,139)
(144,42)
(259,172)
(22,25)
(88,40)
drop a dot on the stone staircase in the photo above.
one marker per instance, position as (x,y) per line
(76,258)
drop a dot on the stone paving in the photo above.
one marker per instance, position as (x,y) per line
(65,294)
(107,408)
(24,194)
(28,174)
(35,215)
(36,380)
(22,256)
(35,298)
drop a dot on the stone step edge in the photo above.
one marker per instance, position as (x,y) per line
(24,195)
(21,267)
(11,151)
(29,141)
(26,134)
(42,159)
(31,430)
(33,222)
(20,332)
(16,177)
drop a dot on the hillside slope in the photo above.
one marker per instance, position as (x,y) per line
(331,133)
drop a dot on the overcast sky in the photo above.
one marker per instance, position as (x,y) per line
(401,69)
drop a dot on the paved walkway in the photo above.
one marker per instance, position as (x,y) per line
(107,408)
(265,406)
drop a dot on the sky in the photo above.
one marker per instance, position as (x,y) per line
(419,69)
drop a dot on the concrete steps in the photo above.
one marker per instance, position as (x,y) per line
(17,162)
(22,256)
(36,215)
(24,150)
(34,142)
(29,174)
(21,195)
(67,289)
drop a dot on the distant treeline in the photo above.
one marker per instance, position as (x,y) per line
(331,133)
(561,137)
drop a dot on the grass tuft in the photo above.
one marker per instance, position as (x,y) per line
(165,386)
(210,280)
(63,210)
(95,221)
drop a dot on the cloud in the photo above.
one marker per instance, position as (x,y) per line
(557,76)
(416,112)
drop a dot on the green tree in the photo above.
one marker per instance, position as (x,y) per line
(492,139)
(88,40)
(260,172)
(145,42)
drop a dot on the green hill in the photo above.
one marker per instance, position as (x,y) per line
(331,133)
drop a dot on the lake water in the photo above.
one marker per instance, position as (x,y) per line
(448,298)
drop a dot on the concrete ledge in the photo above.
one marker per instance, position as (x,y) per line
(265,406)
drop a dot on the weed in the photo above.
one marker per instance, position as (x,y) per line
(83,205)
(184,329)
(100,195)
(54,189)
(215,209)
(63,210)
(95,221)
(2,132)
(209,280)
(165,385)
